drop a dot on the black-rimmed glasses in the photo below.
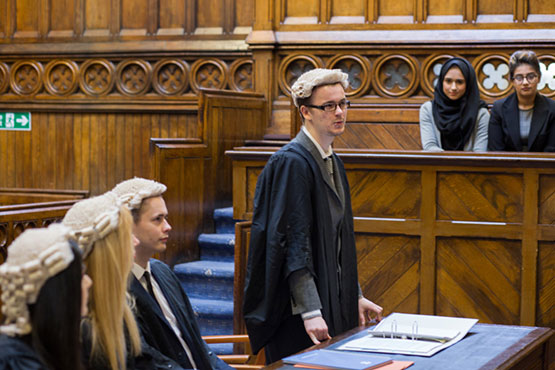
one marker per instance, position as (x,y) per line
(331,107)
(530,77)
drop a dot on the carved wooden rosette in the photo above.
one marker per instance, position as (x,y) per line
(170,77)
(61,77)
(358,69)
(492,72)
(96,77)
(26,77)
(396,75)
(133,77)
(208,73)
(292,67)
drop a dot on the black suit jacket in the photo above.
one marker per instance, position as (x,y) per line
(156,330)
(504,126)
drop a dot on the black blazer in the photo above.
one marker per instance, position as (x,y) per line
(156,330)
(504,129)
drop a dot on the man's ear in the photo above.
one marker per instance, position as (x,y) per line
(304,111)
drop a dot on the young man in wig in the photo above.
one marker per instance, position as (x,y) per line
(302,284)
(164,313)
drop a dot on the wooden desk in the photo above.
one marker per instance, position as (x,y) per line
(485,346)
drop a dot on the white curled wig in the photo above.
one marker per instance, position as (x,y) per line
(305,84)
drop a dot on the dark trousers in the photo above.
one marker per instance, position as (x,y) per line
(290,338)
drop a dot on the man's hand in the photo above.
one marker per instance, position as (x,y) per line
(366,310)
(317,329)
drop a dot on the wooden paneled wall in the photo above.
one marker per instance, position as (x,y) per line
(417,14)
(107,20)
(464,234)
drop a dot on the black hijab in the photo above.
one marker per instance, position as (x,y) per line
(455,119)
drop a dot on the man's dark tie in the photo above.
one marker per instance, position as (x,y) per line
(149,285)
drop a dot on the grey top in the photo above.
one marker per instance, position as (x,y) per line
(525,122)
(431,137)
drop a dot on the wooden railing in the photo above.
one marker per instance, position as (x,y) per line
(459,234)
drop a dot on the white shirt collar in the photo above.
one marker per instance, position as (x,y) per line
(138,271)
(320,150)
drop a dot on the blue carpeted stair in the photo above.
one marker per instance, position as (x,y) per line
(209,281)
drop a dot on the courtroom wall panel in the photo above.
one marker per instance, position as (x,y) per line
(389,270)
(457,234)
(106,20)
(92,151)
(321,14)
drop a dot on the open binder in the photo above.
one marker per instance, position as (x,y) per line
(412,334)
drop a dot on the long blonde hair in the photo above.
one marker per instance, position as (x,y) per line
(109,265)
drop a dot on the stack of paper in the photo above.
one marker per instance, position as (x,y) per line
(412,334)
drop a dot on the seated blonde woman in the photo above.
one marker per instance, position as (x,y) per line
(111,338)
(44,292)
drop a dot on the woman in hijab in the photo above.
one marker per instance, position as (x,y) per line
(456,119)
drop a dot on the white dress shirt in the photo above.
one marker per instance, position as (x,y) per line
(139,272)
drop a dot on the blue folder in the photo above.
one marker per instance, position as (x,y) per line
(343,360)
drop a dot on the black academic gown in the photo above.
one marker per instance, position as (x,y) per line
(149,359)
(504,126)
(15,354)
(292,230)
(157,331)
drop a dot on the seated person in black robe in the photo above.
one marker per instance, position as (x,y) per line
(41,321)
(164,313)
(302,284)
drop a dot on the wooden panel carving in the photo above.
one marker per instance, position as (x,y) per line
(380,136)
(545,313)
(106,20)
(546,211)
(97,17)
(91,151)
(242,239)
(480,197)
(395,194)
(479,278)
(12,196)
(252,176)
(95,78)
(394,75)
(389,270)
(491,258)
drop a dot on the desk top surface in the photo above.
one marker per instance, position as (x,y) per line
(485,346)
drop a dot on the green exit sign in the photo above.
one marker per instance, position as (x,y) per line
(20,121)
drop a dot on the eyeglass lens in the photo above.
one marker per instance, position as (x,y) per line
(530,77)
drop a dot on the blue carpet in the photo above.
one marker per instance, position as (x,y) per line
(209,281)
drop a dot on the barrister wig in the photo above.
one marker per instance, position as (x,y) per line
(108,264)
(134,191)
(305,84)
(41,293)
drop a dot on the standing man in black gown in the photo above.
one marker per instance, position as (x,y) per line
(302,284)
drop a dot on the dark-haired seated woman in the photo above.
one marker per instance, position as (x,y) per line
(524,121)
(456,119)
(44,294)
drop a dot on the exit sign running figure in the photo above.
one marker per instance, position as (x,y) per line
(20,121)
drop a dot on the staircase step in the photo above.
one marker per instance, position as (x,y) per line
(206,279)
(223,218)
(215,317)
(217,247)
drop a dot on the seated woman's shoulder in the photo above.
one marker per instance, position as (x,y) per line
(17,355)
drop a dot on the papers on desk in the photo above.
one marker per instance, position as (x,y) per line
(411,334)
